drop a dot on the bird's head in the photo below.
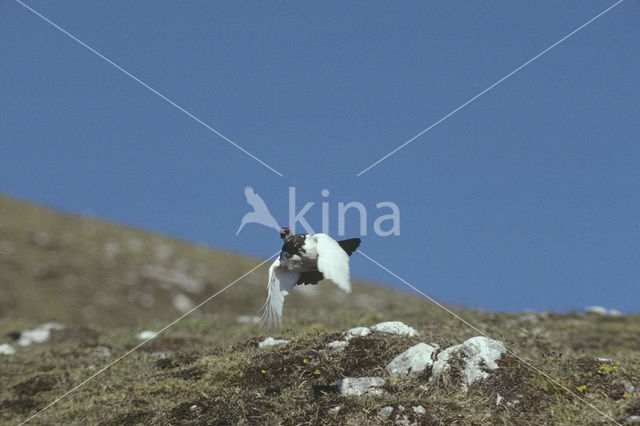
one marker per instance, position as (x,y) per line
(284,232)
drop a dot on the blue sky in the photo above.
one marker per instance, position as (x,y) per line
(529,197)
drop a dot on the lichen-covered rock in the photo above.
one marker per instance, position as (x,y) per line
(361,386)
(413,361)
(395,327)
(477,356)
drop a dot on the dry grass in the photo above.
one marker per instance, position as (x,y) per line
(107,282)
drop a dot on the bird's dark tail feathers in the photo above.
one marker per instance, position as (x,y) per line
(350,245)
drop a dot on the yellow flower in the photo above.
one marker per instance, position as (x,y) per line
(626,395)
(264,371)
(305,361)
(582,388)
(316,372)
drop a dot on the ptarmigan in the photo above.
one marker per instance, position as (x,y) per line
(306,259)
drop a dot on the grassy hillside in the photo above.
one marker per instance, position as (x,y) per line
(106,283)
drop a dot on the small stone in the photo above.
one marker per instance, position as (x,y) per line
(7,349)
(357,332)
(335,410)
(420,410)
(270,341)
(146,335)
(498,399)
(395,327)
(39,334)
(413,361)
(361,386)
(103,351)
(338,345)
(633,419)
(386,411)
(182,303)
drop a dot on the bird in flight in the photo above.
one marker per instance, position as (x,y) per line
(260,213)
(305,259)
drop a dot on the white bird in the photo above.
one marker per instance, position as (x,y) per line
(260,213)
(305,259)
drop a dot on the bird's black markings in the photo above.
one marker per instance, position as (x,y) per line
(294,245)
(313,277)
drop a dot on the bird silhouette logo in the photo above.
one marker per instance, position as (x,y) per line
(260,214)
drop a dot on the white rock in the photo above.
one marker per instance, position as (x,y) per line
(395,327)
(146,334)
(479,355)
(498,399)
(338,345)
(386,411)
(182,303)
(39,334)
(614,313)
(604,360)
(357,332)
(7,349)
(335,410)
(599,310)
(361,386)
(633,419)
(413,361)
(270,341)
(247,319)
(103,351)
(420,410)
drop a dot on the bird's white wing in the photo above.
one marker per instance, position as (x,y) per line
(260,207)
(281,281)
(333,261)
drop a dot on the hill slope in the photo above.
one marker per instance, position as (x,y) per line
(105,283)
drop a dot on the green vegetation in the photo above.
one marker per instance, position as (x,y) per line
(107,283)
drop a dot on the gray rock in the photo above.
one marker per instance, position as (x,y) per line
(413,361)
(478,355)
(395,327)
(361,386)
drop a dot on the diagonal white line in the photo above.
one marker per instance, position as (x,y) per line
(525,362)
(145,341)
(490,87)
(146,86)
